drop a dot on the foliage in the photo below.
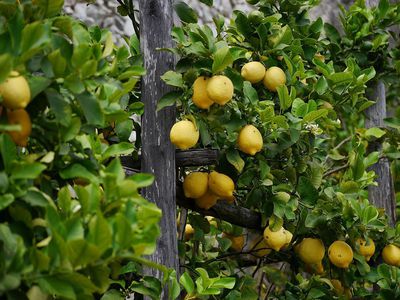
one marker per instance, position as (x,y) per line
(70,218)
(315,146)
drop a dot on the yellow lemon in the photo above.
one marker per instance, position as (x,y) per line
(275,239)
(253,71)
(337,286)
(366,250)
(391,255)
(195,184)
(20,117)
(237,241)
(273,78)
(250,140)
(340,254)
(15,91)
(289,237)
(221,185)
(220,89)
(200,97)
(208,200)
(259,247)
(184,134)
(311,251)
(189,232)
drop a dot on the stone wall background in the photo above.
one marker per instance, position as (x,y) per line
(104,12)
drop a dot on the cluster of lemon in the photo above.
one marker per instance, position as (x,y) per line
(16,95)
(206,189)
(219,89)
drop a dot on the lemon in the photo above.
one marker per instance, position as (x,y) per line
(273,78)
(316,268)
(15,91)
(311,251)
(275,239)
(20,117)
(340,254)
(208,200)
(237,241)
(253,71)
(366,250)
(184,134)
(220,89)
(289,237)
(259,247)
(337,287)
(200,97)
(221,185)
(189,232)
(250,140)
(391,255)
(195,184)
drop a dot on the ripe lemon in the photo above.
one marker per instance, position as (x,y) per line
(220,89)
(391,255)
(237,241)
(289,237)
(337,286)
(20,117)
(276,239)
(366,251)
(200,97)
(189,232)
(250,140)
(15,91)
(311,251)
(184,134)
(195,185)
(259,247)
(273,78)
(340,254)
(208,200)
(221,185)
(253,71)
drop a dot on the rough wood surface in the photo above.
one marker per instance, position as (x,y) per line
(383,195)
(158,154)
(237,215)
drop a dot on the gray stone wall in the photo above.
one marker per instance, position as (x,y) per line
(104,12)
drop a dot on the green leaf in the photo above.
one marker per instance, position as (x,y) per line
(119,149)
(60,107)
(222,59)
(224,283)
(233,156)
(51,8)
(25,170)
(34,37)
(100,233)
(113,295)
(142,179)
(285,100)
(168,99)
(207,2)
(82,253)
(78,171)
(91,108)
(308,193)
(6,63)
(375,132)
(187,282)
(322,86)
(55,286)
(185,12)
(383,8)
(173,78)
(38,84)
(315,115)
(6,200)
(250,93)
(8,151)
(58,62)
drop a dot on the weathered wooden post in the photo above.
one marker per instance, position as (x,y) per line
(158,154)
(383,195)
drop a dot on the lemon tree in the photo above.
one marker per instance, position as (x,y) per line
(283,100)
(71,223)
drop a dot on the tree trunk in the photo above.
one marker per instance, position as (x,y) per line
(158,154)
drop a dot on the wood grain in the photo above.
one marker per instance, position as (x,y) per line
(158,154)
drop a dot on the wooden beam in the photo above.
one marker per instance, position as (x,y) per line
(236,215)
(158,154)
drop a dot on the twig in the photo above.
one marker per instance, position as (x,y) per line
(343,142)
(131,14)
(336,170)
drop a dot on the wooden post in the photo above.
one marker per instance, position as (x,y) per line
(158,154)
(383,195)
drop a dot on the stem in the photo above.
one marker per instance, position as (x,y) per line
(336,170)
